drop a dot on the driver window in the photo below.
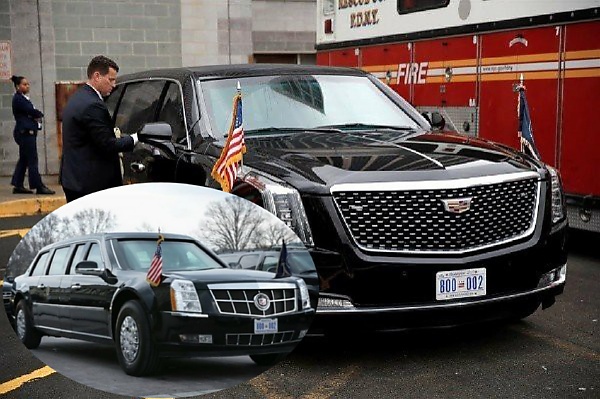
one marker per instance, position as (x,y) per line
(138,105)
(171,112)
(270,262)
(94,255)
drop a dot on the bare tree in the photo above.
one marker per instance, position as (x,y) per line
(231,225)
(90,221)
(52,229)
(273,234)
(47,231)
(146,227)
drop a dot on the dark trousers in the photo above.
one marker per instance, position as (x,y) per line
(28,160)
(71,195)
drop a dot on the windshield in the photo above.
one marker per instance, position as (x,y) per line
(302,102)
(176,255)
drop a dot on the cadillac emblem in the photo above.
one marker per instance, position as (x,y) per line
(261,301)
(458,205)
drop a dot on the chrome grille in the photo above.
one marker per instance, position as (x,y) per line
(259,339)
(414,220)
(238,299)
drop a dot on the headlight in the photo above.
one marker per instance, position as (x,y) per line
(184,297)
(285,203)
(304,296)
(558,210)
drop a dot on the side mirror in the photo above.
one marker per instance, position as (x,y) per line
(435,119)
(88,267)
(158,131)
(234,265)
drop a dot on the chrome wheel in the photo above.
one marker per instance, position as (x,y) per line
(21,326)
(129,339)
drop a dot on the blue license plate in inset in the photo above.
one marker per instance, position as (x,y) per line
(265,326)
(464,283)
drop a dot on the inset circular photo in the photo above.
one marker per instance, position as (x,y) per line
(191,288)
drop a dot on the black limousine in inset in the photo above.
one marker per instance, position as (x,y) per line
(407,225)
(94,288)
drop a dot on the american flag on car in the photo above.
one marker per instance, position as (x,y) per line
(226,168)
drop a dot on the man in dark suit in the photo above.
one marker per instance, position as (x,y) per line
(90,159)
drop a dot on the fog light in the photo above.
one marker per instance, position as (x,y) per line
(196,339)
(557,275)
(562,273)
(331,303)
(302,334)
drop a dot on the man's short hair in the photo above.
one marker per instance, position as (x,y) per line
(101,64)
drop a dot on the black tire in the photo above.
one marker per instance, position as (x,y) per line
(135,346)
(269,359)
(27,333)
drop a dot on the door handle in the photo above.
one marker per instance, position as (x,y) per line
(76,286)
(137,167)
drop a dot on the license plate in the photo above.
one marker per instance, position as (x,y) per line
(460,284)
(265,326)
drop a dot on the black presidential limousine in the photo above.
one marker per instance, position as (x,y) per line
(408,225)
(94,288)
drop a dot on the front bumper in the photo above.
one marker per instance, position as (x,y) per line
(443,314)
(229,335)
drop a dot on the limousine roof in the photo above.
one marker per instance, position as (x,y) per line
(118,235)
(240,70)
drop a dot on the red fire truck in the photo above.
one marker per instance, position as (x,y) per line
(464,58)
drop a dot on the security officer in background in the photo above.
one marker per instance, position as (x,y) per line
(28,122)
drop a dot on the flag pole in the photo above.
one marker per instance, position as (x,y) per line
(519,116)
(239,92)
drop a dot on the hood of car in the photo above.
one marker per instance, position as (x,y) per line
(316,161)
(201,278)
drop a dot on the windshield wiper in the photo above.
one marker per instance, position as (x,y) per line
(274,129)
(367,126)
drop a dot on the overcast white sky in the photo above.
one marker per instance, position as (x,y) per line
(175,208)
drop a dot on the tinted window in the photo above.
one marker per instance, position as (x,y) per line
(172,112)
(58,264)
(77,257)
(40,266)
(176,255)
(94,254)
(113,100)
(138,105)
(249,261)
(407,6)
(269,262)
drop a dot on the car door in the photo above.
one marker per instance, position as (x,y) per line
(90,297)
(66,282)
(30,284)
(138,105)
(48,306)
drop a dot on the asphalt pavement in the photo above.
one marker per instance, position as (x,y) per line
(555,353)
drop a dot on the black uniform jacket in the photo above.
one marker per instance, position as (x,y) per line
(25,114)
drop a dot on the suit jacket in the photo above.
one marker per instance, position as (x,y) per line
(25,114)
(90,159)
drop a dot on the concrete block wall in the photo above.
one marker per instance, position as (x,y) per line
(284,26)
(53,41)
(216,32)
(24,32)
(137,34)
(7,145)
